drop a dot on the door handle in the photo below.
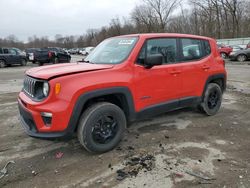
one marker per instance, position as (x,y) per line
(205,67)
(175,72)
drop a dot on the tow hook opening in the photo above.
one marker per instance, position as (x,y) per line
(47,118)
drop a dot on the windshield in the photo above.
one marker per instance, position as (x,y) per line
(112,51)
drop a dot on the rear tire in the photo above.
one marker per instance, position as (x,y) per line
(241,58)
(101,127)
(212,99)
(2,64)
(40,63)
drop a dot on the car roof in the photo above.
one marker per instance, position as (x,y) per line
(159,35)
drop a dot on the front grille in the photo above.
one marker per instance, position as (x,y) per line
(29,86)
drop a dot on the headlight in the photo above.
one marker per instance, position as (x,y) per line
(45,89)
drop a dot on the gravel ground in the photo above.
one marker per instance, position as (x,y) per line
(177,149)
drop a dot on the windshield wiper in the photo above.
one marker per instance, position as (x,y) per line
(84,61)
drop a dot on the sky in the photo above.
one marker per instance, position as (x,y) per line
(25,18)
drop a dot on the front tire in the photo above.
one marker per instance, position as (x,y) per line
(212,99)
(101,127)
(24,62)
(223,55)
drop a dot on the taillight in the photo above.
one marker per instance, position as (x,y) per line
(50,54)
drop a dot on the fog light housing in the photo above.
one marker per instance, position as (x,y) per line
(47,118)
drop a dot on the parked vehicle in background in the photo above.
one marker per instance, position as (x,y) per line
(87,50)
(74,51)
(224,50)
(11,56)
(51,55)
(66,50)
(248,45)
(30,54)
(235,48)
(124,79)
(81,50)
(240,55)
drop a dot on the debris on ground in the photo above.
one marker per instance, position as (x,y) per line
(121,175)
(130,148)
(99,181)
(59,155)
(118,148)
(205,182)
(199,176)
(4,171)
(137,135)
(134,165)
(34,172)
(166,136)
(179,175)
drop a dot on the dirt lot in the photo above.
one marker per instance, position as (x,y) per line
(170,150)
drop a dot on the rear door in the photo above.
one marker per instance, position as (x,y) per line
(159,84)
(195,60)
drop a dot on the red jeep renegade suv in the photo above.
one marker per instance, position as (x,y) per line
(125,78)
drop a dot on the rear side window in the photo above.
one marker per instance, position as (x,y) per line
(164,46)
(191,49)
(1,50)
(12,52)
(5,51)
(194,49)
(207,48)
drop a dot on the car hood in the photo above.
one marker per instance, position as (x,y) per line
(51,71)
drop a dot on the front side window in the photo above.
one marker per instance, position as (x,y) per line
(165,46)
(112,51)
(18,51)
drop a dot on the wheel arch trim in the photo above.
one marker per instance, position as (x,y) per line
(216,77)
(83,98)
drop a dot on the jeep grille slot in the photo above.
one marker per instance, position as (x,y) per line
(29,86)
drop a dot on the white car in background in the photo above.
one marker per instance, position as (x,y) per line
(81,50)
(86,51)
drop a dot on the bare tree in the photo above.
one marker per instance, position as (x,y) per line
(143,19)
(162,10)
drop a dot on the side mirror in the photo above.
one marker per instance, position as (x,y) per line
(153,60)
